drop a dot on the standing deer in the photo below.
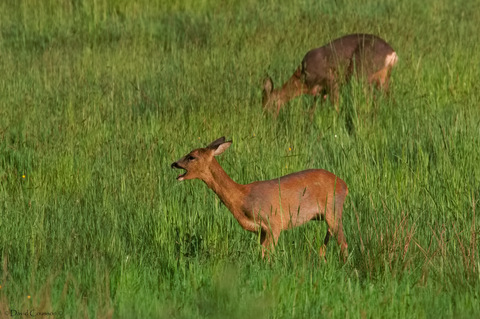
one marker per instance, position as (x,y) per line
(324,69)
(271,206)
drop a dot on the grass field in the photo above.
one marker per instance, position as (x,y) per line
(98,97)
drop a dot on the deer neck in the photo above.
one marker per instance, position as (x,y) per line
(231,193)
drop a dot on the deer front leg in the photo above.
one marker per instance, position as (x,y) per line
(317,91)
(334,93)
(295,86)
(265,241)
(323,249)
(268,240)
(247,222)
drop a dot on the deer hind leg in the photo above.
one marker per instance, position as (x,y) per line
(339,200)
(380,79)
(342,242)
(335,227)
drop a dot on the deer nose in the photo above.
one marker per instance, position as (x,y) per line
(174,165)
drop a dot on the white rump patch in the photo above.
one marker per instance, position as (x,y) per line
(391,59)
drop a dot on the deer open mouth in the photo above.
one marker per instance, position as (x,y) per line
(180,177)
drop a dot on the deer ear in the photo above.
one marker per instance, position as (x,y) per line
(216,143)
(267,86)
(221,148)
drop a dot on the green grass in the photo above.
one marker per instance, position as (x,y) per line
(97,98)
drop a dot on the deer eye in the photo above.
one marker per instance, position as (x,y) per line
(191,158)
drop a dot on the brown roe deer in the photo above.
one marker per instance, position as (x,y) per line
(324,69)
(271,206)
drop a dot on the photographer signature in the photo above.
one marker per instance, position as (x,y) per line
(32,313)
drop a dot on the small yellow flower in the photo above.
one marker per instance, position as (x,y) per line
(23,176)
(289,149)
(0,286)
(253,134)
(28,296)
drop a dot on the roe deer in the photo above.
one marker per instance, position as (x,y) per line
(324,69)
(271,206)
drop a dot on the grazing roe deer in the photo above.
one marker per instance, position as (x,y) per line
(324,69)
(271,206)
